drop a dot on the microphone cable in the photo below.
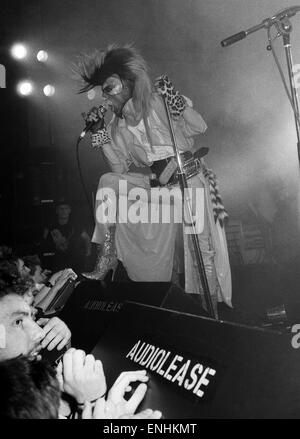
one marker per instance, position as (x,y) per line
(91,210)
(103,110)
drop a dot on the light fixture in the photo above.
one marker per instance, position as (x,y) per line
(49,90)
(42,56)
(19,51)
(25,88)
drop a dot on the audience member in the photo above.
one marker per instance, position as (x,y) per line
(41,288)
(22,334)
(38,275)
(79,376)
(44,293)
(29,390)
(68,241)
(116,406)
(82,377)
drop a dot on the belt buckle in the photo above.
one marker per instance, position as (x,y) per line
(191,168)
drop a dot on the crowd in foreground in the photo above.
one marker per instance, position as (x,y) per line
(31,387)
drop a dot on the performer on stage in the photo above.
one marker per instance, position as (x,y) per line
(137,139)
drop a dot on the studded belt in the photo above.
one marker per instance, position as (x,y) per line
(166,172)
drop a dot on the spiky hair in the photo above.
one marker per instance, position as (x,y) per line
(124,61)
(129,65)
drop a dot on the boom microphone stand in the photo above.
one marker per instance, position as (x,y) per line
(284,28)
(289,58)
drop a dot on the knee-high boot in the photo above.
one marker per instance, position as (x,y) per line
(106,257)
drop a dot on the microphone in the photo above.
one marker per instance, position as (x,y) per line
(288,12)
(90,124)
(233,39)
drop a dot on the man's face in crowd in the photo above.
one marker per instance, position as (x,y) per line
(116,93)
(39,275)
(22,334)
(63,212)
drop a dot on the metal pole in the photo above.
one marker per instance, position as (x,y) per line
(289,58)
(196,245)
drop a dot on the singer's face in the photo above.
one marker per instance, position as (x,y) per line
(116,93)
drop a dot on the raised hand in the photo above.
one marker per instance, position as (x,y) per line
(60,241)
(81,376)
(99,132)
(57,334)
(95,114)
(116,406)
(101,411)
(62,276)
(175,101)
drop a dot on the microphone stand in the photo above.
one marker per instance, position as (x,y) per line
(195,241)
(289,58)
(284,29)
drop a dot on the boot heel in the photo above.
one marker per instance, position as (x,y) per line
(114,270)
(113,273)
(106,257)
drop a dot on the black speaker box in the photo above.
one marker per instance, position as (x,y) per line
(203,368)
(92,307)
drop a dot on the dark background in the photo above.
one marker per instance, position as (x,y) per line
(251,132)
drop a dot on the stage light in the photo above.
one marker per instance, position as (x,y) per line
(42,56)
(25,88)
(19,51)
(49,90)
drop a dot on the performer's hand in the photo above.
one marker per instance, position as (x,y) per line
(175,101)
(99,132)
(94,114)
